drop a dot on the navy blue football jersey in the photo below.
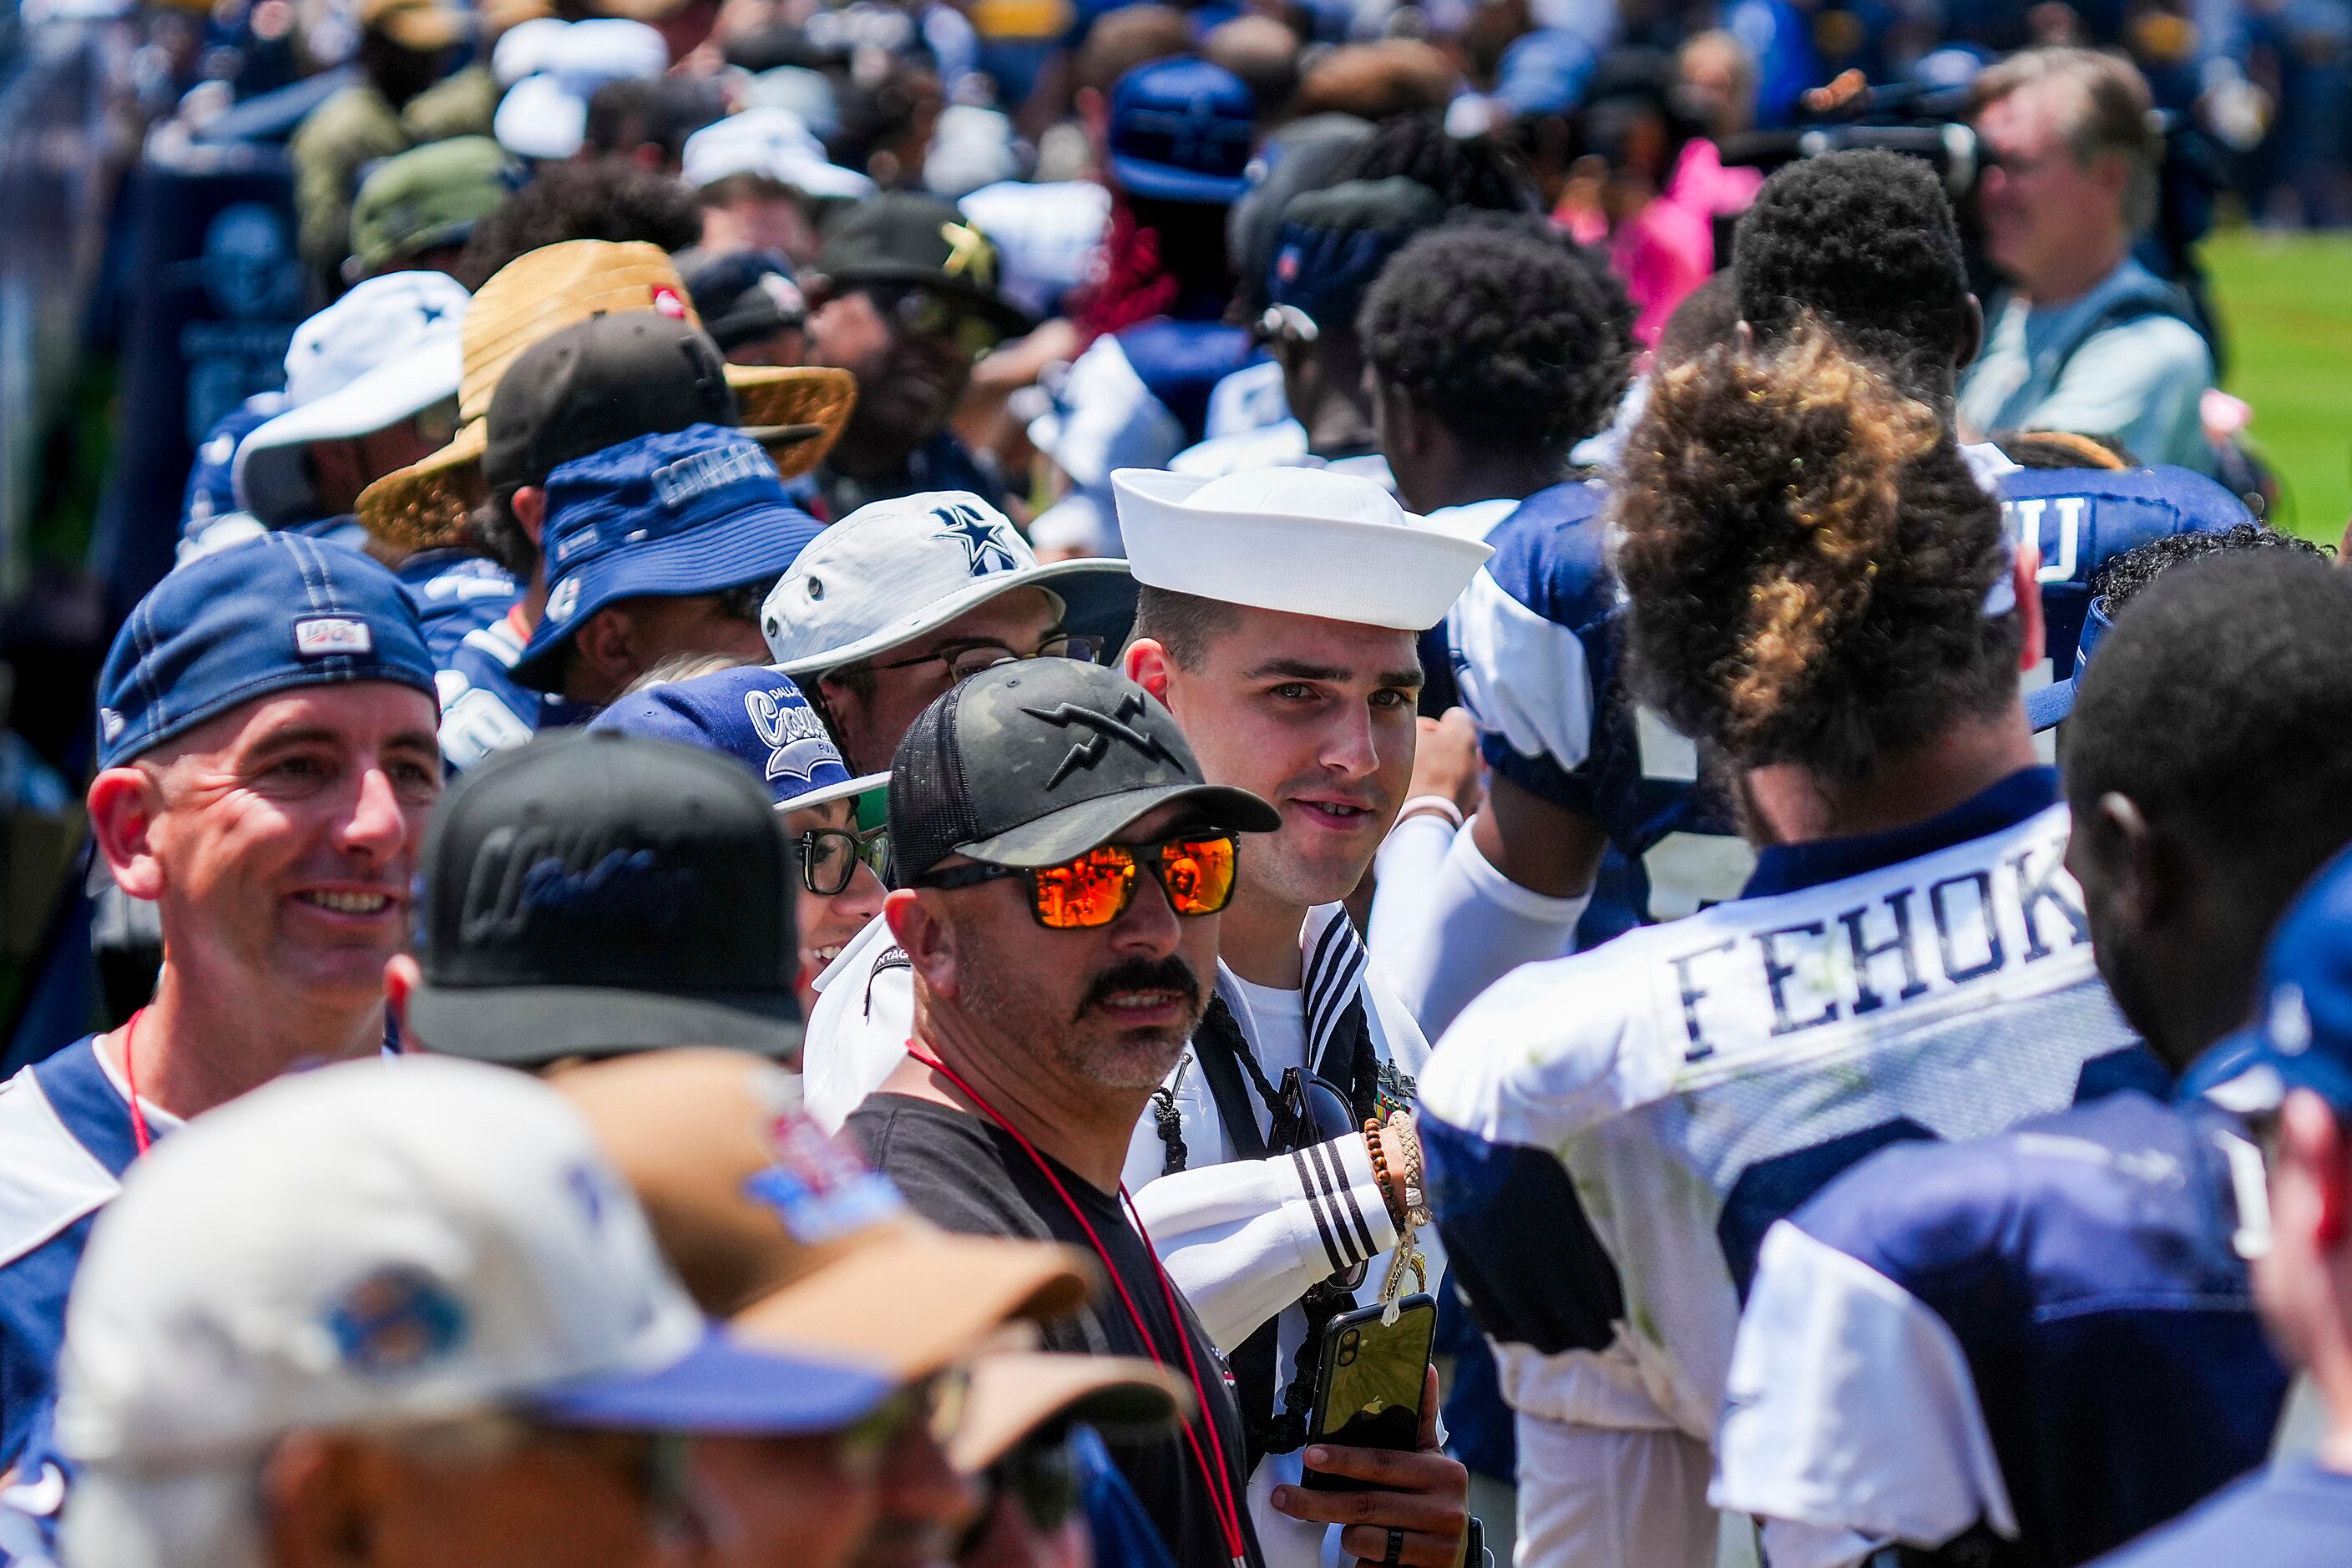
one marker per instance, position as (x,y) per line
(1996,1348)
(466,605)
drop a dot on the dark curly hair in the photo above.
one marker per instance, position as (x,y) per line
(1478,171)
(1866,241)
(1511,335)
(603,198)
(1808,559)
(2119,582)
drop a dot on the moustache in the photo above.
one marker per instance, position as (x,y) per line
(1169,973)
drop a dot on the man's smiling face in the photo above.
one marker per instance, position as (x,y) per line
(1316,717)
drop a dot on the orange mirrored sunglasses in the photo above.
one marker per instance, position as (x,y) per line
(1095,888)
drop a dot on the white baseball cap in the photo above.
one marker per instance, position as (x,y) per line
(890,572)
(1308,541)
(387,349)
(400,1240)
(544,114)
(772,142)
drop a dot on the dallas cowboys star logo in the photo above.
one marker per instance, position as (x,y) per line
(983,543)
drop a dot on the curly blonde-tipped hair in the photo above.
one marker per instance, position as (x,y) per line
(1808,558)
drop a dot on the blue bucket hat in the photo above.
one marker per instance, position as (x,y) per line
(271,613)
(697,511)
(755,715)
(1181,130)
(2302,1037)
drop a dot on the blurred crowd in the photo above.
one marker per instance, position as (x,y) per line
(1026,784)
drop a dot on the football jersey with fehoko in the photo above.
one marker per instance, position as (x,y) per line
(1610,1135)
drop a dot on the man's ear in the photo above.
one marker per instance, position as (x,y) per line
(2312,1146)
(2132,861)
(530,510)
(1971,340)
(2024,576)
(124,803)
(606,645)
(927,941)
(1147,664)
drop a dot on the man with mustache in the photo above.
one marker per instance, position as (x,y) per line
(1062,866)
(267,760)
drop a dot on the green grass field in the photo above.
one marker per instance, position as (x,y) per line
(2288,303)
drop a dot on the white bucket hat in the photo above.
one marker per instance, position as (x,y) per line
(383,353)
(1306,541)
(888,572)
(775,143)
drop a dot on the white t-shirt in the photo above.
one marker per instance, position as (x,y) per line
(1279,1027)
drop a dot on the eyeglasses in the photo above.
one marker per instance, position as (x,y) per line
(1095,888)
(742,602)
(964,660)
(829,857)
(1041,1475)
(916,311)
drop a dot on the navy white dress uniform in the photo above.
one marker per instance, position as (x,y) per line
(1534,643)
(275,613)
(1650,1109)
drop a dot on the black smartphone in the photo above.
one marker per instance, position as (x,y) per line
(1372,1378)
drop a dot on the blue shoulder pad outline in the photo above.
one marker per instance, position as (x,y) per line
(2085,518)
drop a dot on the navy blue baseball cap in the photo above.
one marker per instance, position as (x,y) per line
(697,511)
(2302,1037)
(270,614)
(756,715)
(1334,242)
(1181,130)
(2048,706)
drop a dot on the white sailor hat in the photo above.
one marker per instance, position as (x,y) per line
(1308,541)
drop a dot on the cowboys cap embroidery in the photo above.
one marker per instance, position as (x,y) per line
(983,545)
(1089,749)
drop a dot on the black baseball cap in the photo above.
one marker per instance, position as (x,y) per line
(592,893)
(608,380)
(1040,760)
(745,296)
(899,236)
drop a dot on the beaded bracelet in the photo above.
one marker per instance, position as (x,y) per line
(1372,1141)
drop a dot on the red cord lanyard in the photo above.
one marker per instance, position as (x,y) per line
(1220,1486)
(139,1136)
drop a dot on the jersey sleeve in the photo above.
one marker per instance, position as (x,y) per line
(857,1032)
(1246,1238)
(1852,1413)
(1527,681)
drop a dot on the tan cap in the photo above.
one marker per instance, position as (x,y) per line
(779,1227)
(1013,1392)
(415,24)
(539,293)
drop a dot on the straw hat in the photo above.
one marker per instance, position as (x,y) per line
(543,292)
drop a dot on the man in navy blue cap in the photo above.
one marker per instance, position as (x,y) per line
(659,546)
(267,760)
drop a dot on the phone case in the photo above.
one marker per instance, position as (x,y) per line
(1372,1378)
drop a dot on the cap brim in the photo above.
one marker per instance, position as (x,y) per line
(2047,706)
(1098,596)
(1013,1392)
(920,1300)
(849,789)
(1007,317)
(268,471)
(2245,1074)
(528,1025)
(757,543)
(1075,828)
(423,505)
(1365,573)
(775,398)
(1162,182)
(724,1387)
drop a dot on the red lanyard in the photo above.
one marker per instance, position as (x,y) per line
(139,1136)
(1220,1486)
